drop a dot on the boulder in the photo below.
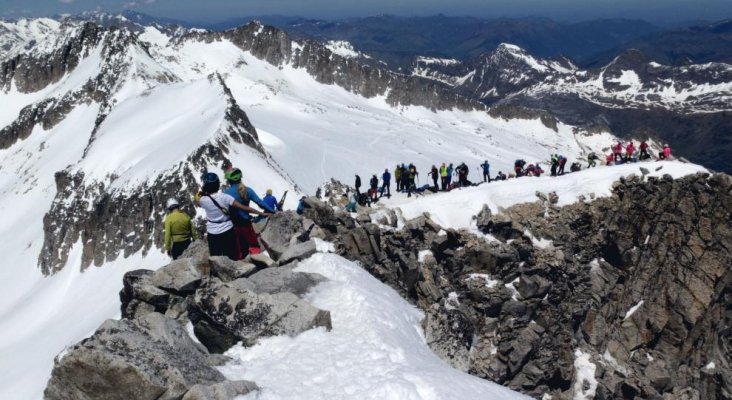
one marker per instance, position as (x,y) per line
(533,286)
(284,279)
(181,276)
(137,288)
(149,358)
(484,218)
(298,252)
(261,261)
(198,250)
(224,313)
(227,390)
(278,230)
(227,269)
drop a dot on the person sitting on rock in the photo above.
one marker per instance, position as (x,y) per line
(247,241)
(352,201)
(665,154)
(219,228)
(179,231)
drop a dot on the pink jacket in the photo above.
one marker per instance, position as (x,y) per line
(667,152)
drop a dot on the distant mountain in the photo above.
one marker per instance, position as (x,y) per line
(689,45)
(398,40)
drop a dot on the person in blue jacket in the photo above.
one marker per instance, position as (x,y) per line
(386,178)
(271,201)
(486,171)
(246,238)
(450,169)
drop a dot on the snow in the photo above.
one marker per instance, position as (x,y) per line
(711,366)
(489,282)
(456,208)
(441,61)
(423,254)
(343,49)
(632,310)
(376,349)
(584,375)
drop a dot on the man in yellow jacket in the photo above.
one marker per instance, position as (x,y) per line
(179,231)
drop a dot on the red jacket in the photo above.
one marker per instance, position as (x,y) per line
(667,152)
(644,146)
(618,148)
(630,149)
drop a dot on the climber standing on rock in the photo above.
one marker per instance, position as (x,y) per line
(486,171)
(374,188)
(644,151)
(219,228)
(443,176)
(434,173)
(179,231)
(246,241)
(358,184)
(398,177)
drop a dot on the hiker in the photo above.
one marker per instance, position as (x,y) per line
(374,188)
(486,171)
(398,177)
(219,228)
(618,151)
(449,175)
(501,176)
(537,170)
(665,154)
(518,167)
(644,151)
(352,200)
(575,167)
(271,201)
(629,150)
(246,240)
(405,178)
(358,184)
(179,231)
(443,176)
(412,175)
(591,160)
(555,164)
(562,163)
(300,205)
(434,174)
(226,166)
(386,179)
(609,159)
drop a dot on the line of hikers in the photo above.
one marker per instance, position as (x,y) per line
(229,216)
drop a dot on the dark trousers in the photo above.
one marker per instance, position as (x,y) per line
(178,248)
(486,177)
(443,182)
(434,180)
(385,189)
(223,244)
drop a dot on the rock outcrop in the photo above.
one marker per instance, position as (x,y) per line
(636,284)
(150,354)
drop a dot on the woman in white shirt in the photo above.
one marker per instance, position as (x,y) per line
(219,228)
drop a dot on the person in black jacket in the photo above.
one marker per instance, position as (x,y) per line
(374,188)
(358,184)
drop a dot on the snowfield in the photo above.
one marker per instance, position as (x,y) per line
(376,349)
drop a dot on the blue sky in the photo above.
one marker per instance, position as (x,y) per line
(217,10)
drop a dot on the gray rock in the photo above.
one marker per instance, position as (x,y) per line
(227,269)
(220,391)
(278,230)
(553,198)
(484,218)
(224,313)
(149,358)
(533,286)
(181,276)
(298,252)
(261,261)
(284,279)
(137,288)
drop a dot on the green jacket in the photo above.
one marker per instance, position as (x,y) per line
(178,228)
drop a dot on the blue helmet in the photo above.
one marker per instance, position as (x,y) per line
(211,183)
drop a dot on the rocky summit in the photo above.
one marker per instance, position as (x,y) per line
(622,297)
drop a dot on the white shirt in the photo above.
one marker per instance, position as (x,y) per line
(217,223)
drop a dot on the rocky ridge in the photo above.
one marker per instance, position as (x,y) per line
(177,321)
(635,286)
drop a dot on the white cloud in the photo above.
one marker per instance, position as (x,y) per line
(66,1)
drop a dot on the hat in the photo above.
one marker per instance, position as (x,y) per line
(234,175)
(171,204)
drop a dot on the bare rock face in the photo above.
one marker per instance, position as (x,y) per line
(638,282)
(224,313)
(151,358)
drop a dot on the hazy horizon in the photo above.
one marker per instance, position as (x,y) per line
(216,11)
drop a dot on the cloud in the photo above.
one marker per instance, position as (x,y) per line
(66,1)
(136,3)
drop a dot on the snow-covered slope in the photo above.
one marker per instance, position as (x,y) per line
(123,121)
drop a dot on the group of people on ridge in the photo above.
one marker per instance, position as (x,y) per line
(229,216)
